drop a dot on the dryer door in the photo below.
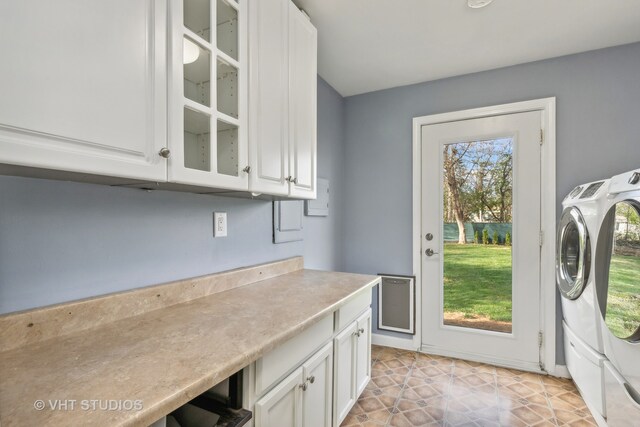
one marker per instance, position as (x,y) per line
(618,270)
(573,254)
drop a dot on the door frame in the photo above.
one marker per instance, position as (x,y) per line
(547,106)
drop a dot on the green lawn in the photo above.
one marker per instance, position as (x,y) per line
(623,303)
(477,281)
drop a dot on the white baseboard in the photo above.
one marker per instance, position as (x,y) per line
(560,371)
(394,342)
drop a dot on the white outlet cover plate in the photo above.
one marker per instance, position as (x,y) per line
(219,224)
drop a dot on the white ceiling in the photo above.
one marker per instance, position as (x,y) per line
(367,45)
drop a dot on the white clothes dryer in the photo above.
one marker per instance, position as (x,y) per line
(617,277)
(579,225)
(582,215)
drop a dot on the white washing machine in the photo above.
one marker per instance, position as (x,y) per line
(583,209)
(617,275)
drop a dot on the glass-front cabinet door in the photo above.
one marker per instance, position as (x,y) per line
(208,94)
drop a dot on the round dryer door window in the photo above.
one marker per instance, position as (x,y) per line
(618,270)
(573,254)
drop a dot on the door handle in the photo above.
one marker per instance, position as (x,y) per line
(430,252)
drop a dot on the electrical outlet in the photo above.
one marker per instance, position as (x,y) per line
(219,224)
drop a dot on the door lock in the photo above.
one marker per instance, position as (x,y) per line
(429,236)
(430,252)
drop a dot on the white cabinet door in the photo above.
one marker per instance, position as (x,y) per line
(363,352)
(316,398)
(303,41)
(268,96)
(208,122)
(83,86)
(344,374)
(281,407)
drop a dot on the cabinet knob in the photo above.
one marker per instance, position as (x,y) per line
(291,179)
(247,169)
(356,333)
(303,386)
(165,153)
(294,180)
(311,379)
(361,330)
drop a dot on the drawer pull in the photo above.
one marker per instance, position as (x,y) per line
(311,379)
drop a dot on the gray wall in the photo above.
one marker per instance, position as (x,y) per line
(61,241)
(323,235)
(598,135)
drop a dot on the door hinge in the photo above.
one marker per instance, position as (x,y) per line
(541,136)
(540,339)
(541,238)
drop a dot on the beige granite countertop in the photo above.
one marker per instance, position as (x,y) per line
(164,357)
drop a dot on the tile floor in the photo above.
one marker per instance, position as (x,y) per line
(414,389)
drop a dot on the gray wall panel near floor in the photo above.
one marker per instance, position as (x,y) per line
(61,241)
(598,135)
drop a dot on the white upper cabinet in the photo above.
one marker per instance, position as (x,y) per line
(303,42)
(282,100)
(83,86)
(268,96)
(208,94)
(205,94)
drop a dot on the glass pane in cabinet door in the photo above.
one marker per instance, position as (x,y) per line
(197,17)
(227,146)
(197,140)
(197,73)
(227,89)
(227,28)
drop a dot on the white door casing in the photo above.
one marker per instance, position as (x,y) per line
(519,348)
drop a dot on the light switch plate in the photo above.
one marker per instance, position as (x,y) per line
(219,224)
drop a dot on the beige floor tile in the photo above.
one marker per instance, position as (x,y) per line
(414,389)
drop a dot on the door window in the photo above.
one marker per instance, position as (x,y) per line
(620,305)
(574,254)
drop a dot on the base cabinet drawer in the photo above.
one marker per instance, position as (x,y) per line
(303,399)
(275,364)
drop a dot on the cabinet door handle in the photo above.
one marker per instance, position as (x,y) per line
(164,152)
(311,379)
(303,386)
(247,169)
(291,179)
(361,330)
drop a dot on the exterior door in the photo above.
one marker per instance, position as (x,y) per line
(481,239)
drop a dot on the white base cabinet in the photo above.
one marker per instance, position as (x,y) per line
(303,399)
(289,386)
(352,370)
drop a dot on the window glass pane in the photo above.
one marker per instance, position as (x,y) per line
(227,145)
(477,233)
(197,140)
(197,17)
(197,73)
(227,29)
(622,314)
